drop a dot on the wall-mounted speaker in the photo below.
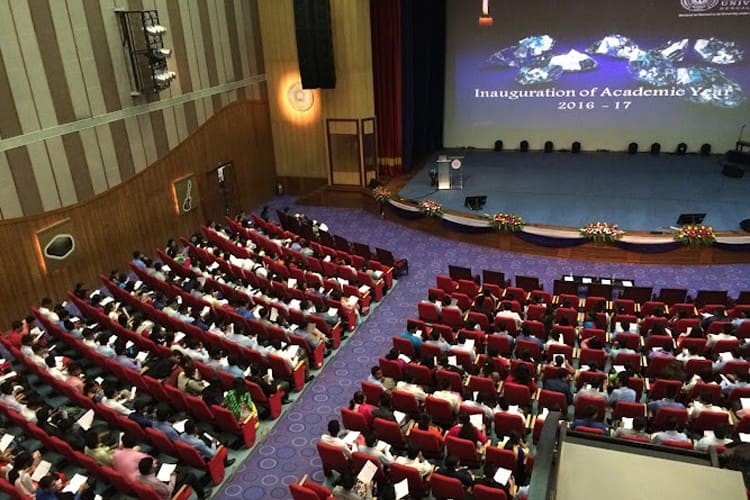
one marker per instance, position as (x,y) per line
(633,148)
(655,148)
(312,25)
(681,148)
(524,146)
(576,147)
(705,149)
(498,146)
(548,147)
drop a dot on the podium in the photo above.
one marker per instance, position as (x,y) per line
(449,172)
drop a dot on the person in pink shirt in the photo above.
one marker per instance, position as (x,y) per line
(125,460)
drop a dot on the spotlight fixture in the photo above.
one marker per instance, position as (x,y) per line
(633,148)
(155,29)
(498,145)
(705,149)
(548,147)
(524,146)
(165,76)
(655,148)
(681,148)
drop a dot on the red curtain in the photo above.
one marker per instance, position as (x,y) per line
(385,26)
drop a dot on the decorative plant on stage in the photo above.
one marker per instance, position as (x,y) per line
(507,222)
(702,236)
(381,194)
(431,208)
(602,232)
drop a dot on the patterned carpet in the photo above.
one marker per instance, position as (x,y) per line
(289,451)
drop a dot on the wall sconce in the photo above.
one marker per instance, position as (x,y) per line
(485,19)
(300,99)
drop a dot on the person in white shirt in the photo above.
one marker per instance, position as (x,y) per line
(507,312)
(713,338)
(46,309)
(370,448)
(333,439)
(718,438)
(415,459)
(703,404)
(110,401)
(408,385)
(446,394)
(52,369)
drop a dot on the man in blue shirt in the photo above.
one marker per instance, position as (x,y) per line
(621,392)
(190,437)
(411,335)
(560,383)
(588,420)
(668,401)
(161,422)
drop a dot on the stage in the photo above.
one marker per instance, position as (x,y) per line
(640,192)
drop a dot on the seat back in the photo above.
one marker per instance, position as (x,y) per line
(453,378)
(405,402)
(516,394)
(332,458)
(398,472)
(506,422)
(482,492)
(161,441)
(354,421)
(404,346)
(390,432)
(502,458)
(583,401)
(426,442)
(590,430)
(547,399)
(708,420)
(464,449)
(441,411)
(629,410)
(372,392)
(359,460)
(679,414)
(446,488)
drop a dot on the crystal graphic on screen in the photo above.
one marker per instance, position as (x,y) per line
(614,46)
(718,51)
(674,51)
(573,61)
(530,50)
(542,73)
(652,67)
(706,85)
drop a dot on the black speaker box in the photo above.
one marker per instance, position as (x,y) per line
(498,145)
(312,24)
(732,171)
(475,202)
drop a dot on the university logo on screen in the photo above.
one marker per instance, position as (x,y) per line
(715,7)
(699,5)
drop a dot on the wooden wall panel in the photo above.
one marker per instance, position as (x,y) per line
(299,138)
(139,213)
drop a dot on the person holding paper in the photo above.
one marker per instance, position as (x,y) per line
(560,383)
(436,339)
(112,400)
(351,488)
(9,396)
(24,465)
(588,419)
(371,448)
(466,430)
(455,399)
(161,421)
(332,438)
(670,433)
(207,450)
(357,403)
(97,450)
(189,381)
(491,477)
(704,403)
(638,428)
(411,335)
(452,469)
(621,392)
(147,476)
(407,385)
(239,402)
(385,410)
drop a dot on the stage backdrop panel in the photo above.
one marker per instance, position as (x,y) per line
(602,73)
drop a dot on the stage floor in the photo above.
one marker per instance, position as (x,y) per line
(638,192)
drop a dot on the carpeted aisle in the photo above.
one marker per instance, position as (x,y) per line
(289,450)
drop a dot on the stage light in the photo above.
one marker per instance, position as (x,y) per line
(655,148)
(498,145)
(681,148)
(705,149)
(633,148)
(485,19)
(548,147)
(576,147)
(524,146)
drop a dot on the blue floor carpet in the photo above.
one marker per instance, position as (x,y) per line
(638,192)
(289,451)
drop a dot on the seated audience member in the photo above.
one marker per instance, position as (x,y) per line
(385,410)
(371,448)
(71,432)
(621,392)
(358,404)
(668,401)
(436,339)
(24,465)
(415,460)
(425,424)
(521,375)
(333,438)
(239,402)
(412,336)
(488,479)
(147,470)
(453,469)
(591,391)
(141,413)
(734,381)
(447,394)
(114,400)
(670,433)
(517,444)
(619,347)
(376,377)
(351,488)
(407,385)
(560,383)
(125,459)
(589,420)
(638,430)
(73,377)
(189,380)
(97,450)
(161,421)
(704,403)
(719,438)
(13,398)
(466,430)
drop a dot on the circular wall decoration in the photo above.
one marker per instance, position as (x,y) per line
(300,99)
(455,164)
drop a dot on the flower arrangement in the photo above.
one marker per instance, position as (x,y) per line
(602,232)
(431,208)
(696,235)
(506,222)
(381,194)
